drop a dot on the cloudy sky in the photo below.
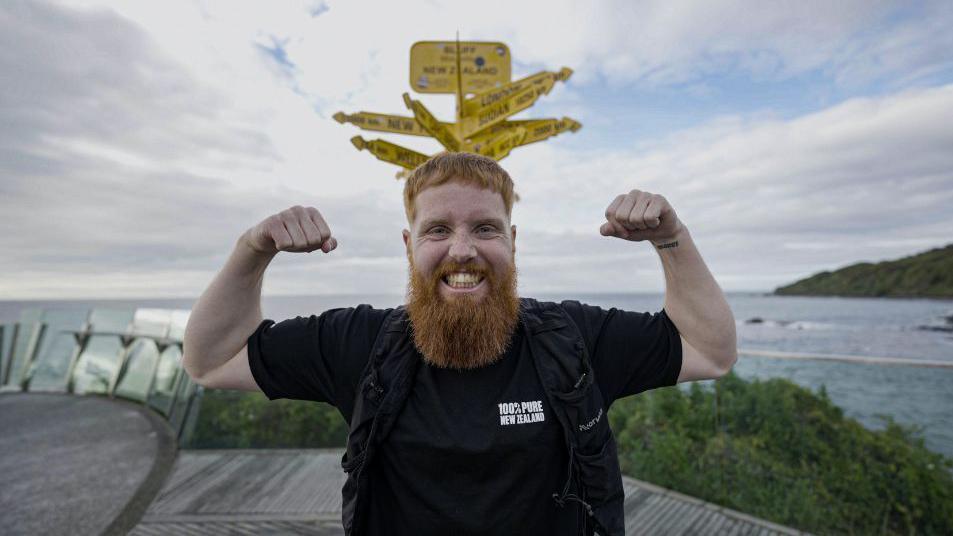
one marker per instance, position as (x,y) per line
(138,140)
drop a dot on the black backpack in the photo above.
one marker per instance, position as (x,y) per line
(563,367)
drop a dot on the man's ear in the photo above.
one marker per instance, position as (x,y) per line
(406,235)
(513,233)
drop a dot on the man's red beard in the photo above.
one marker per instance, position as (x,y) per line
(460,332)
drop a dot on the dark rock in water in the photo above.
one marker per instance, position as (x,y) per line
(949,319)
(943,329)
(755,320)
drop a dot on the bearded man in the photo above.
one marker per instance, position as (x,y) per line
(476,440)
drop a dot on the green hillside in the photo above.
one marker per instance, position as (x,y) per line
(924,275)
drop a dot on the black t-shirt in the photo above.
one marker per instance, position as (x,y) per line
(473,452)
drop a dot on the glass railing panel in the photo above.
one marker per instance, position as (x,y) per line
(114,320)
(178,319)
(180,406)
(50,368)
(29,324)
(99,364)
(96,365)
(137,373)
(6,341)
(154,322)
(191,418)
(163,388)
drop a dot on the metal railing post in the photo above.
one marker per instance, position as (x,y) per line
(32,348)
(81,337)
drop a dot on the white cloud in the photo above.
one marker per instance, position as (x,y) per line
(139,140)
(866,180)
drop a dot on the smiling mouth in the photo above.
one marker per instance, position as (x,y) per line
(462,280)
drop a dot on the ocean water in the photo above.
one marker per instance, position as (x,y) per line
(902,328)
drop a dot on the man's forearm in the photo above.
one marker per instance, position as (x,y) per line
(694,301)
(227,313)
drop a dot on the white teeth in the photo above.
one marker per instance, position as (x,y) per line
(463,280)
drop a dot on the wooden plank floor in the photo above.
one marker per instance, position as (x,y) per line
(298,492)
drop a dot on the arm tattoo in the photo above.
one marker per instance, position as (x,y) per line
(669,245)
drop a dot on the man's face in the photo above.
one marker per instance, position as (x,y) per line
(465,225)
(462,298)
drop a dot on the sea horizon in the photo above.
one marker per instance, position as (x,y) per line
(903,328)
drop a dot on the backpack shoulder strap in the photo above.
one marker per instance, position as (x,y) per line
(384,384)
(561,357)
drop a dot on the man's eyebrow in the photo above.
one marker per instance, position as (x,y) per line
(426,224)
(496,222)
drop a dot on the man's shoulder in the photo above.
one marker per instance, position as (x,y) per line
(527,301)
(363,309)
(360,318)
(578,312)
(573,307)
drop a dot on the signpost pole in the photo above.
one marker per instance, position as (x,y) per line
(458,125)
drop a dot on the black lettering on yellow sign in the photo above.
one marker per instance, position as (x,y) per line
(490,98)
(400,124)
(487,70)
(464,49)
(411,158)
(541,130)
(494,113)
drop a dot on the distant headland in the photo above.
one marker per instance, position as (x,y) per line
(923,275)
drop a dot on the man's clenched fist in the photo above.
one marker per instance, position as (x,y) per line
(295,229)
(640,215)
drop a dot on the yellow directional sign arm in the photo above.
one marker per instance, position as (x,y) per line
(398,124)
(501,145)
(499,111)
(541,129)
(429,123)
(390,152)
(543,81)
(536,130)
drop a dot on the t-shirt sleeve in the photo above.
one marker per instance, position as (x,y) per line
(631,352)
(318,358)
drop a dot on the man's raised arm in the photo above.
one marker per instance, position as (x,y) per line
(693,300)
(229,310)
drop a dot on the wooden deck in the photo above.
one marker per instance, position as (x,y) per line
(298,492)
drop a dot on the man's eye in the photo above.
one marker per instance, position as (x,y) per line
(486,229)
(438,230)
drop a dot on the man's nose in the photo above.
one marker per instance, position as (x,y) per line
(462,249)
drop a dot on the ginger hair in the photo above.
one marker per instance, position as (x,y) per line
(467,168)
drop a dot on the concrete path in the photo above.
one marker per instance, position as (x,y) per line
(78,464)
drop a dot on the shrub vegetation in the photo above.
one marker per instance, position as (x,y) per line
(769,448)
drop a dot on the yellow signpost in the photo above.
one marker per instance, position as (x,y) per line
(542,81)
(397,124)
(433,66)
(438,130)
(536,130)
(478,73)
(500,146)
(390,152)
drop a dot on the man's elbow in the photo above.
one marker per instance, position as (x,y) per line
(195,374)
(724,364)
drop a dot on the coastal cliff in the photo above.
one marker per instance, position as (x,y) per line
(923,275)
